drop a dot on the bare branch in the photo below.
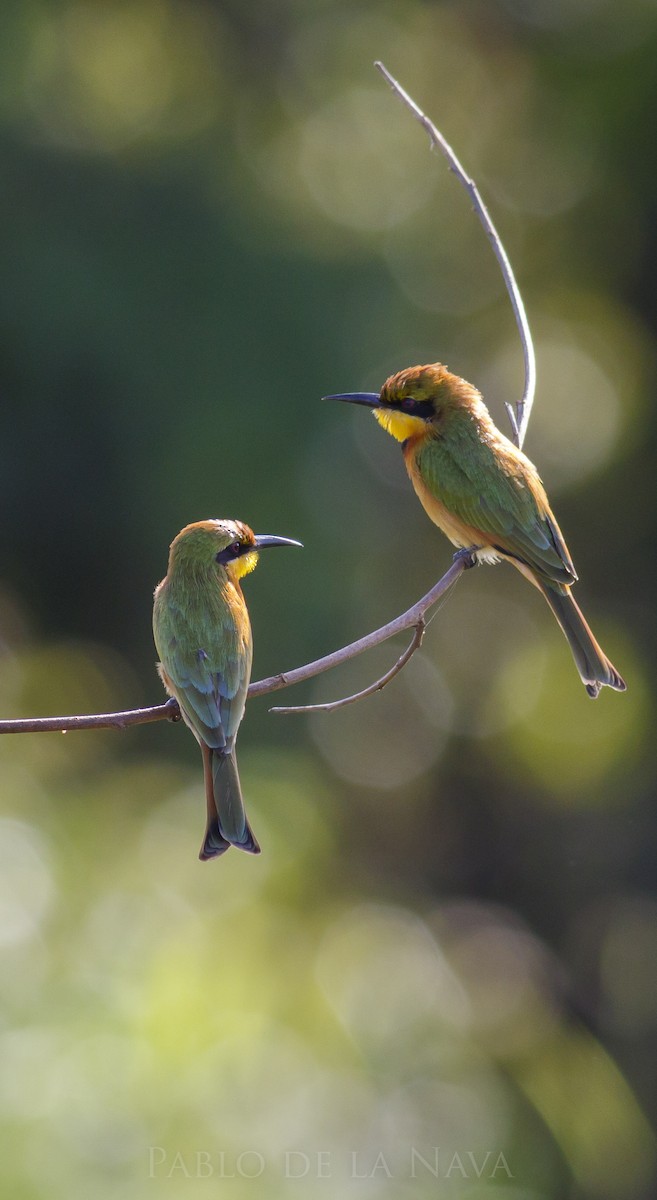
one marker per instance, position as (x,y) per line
(413,618)
(520,417)
(377,686)
(118,720)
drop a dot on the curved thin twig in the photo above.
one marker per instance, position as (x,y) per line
(520,417)
(412,618)
(377,686)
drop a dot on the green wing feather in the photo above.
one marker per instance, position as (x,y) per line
(206,654)
(489,484)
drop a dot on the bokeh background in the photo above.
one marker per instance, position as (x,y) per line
(439,979)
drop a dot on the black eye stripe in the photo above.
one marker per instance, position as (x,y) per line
(416,408)
(230,553)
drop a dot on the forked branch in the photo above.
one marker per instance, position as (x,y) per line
(377,686)
(413,618)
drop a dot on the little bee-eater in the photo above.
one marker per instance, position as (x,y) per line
(203,637)
(484,493)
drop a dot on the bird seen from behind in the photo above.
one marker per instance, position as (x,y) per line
(484,493)
(203,637)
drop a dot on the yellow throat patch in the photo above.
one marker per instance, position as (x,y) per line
(400,425)
(243,565)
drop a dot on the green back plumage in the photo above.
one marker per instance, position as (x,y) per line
(203,637)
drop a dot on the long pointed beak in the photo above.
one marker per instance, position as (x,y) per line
(369,399)
(270,539)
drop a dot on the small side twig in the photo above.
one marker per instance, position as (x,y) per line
(377,686)
(520,417)
(408,620)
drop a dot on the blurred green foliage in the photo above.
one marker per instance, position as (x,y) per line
(439,978)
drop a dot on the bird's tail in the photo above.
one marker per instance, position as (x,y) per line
(226,819)
(594,667)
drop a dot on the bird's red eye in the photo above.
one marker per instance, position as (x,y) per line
(409,404)
(233,550)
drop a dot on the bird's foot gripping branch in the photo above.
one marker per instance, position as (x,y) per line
(469,556)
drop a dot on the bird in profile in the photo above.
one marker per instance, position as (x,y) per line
(484,493)
(203,637)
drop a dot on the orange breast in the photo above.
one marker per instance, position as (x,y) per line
(458,532)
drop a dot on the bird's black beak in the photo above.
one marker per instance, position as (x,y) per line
(369,399)
(270,539)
